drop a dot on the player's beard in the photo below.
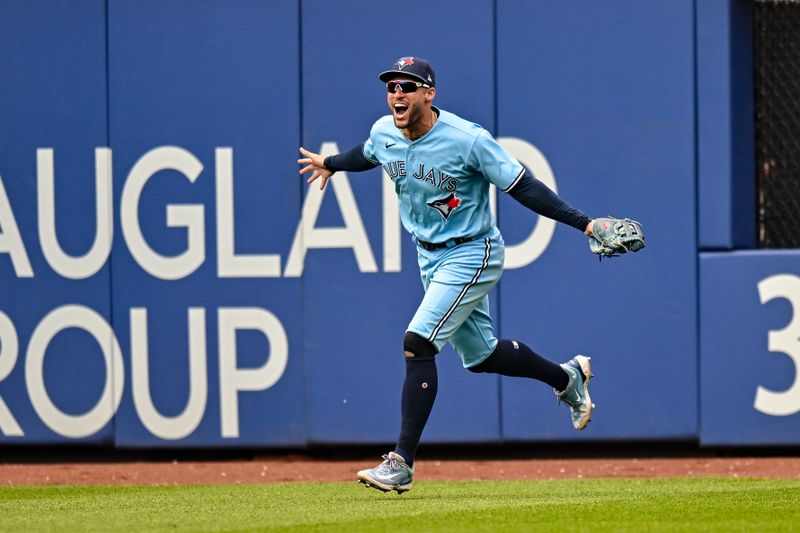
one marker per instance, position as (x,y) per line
(412,118)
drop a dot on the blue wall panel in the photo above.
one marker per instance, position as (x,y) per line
(750,323)
(609,102)
(53,96)
(200,77)
(356,321)
(725,139)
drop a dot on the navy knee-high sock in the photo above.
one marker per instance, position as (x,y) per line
(419,393)
(513,358)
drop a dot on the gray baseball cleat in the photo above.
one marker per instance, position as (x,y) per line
(392,474)
(576,395)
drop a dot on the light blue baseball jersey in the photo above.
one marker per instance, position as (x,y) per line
(442,179)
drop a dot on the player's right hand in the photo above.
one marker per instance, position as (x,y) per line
(315,164)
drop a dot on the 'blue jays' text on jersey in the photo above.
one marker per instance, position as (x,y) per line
(442,179)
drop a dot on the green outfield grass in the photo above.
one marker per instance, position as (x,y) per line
(687,504)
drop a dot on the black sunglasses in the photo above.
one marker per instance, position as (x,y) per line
(405,86)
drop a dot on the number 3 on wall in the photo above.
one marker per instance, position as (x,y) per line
(786,340)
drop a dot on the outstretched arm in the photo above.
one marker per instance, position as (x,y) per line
(352,160)
(613,236)
(537,197)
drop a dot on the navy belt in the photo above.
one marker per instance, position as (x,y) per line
(430,246)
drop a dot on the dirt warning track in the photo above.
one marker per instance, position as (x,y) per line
(298,468)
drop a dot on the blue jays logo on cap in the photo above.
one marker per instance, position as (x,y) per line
(404,62)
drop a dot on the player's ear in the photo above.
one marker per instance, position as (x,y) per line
(431,94)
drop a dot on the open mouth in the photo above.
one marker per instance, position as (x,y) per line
(400,110)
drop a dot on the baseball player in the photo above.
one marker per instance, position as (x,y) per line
(442,166)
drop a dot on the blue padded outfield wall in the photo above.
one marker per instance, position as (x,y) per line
(750,348)
(168,279)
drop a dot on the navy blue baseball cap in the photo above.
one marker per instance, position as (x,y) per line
(416,67)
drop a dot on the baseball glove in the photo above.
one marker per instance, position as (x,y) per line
(613,236)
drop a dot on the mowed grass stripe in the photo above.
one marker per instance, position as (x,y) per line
(673,504)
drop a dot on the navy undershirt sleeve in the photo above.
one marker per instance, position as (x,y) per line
(537,197)
(352,160)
